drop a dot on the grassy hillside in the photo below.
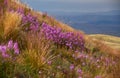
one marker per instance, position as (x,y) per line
(112,41)
(35,45)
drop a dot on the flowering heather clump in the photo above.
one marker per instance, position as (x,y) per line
(16,49)
(3,50)
(71,40)
(79,71)
(98,77)
(4,2)
(72,67)
(13,47)
(30,22)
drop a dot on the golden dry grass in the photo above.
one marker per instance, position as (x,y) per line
(106,43)
(37,53)
(11,22)
(111,41)
(17,4)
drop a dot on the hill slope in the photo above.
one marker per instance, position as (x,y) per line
(35,45)
(112,41)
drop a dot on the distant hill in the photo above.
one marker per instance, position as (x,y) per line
(93,23)
(112,12)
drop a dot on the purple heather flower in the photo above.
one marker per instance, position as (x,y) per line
(10,44)
(98,77)
(83,64)
(3,49)
(98,66)
(5,2)
(49,62)
(29,22)
(79,77)
(69,39)
(80,56)
(15,45)
(72,67)
(113,62)
(107,61)
(73,55)
(16,49)
(86,56)
(79,71)
(76,51)
(5,55)
(98,60)
(20,11)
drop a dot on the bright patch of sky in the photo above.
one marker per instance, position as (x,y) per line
(81,6)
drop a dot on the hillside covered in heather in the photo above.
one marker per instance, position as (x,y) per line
(35,45)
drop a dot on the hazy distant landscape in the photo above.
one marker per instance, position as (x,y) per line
(93,24)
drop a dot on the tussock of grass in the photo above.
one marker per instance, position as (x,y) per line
(11,23)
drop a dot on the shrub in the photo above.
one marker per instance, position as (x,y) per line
(8,55)
(71,40)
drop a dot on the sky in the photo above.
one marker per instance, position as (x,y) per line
(70,6)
